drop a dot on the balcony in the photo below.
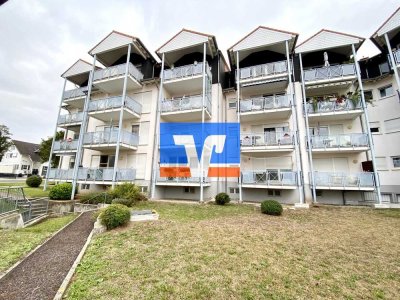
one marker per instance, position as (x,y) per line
(181,181)
(274,107)
(109,108)
(344,181)
(65,146)
(75,98)
(186,79)
(68,120)
(333,110)
(185,108)
(266,142)
(102,175)
(354,142)
(61,174)
(111,80)
(330,74)
(103,140)
(274,70)
(265,179)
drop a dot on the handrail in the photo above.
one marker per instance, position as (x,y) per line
(264,103)
(268,69)
(115,102)
(118,70)
(253,139)
(352,140)
(333,71)
(269,177)
(344,179)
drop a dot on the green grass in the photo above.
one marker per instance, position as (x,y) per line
(235,252)
(29,191)
(17,243)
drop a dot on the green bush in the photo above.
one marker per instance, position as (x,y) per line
(126,191)
(95,198)
(271,207)
(61,191)
(222,199)
(115,215)
(126,202)
(33,181)
(140,197)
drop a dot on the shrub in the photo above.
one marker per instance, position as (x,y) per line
(61,191)
(126,191)
(95,198)
(115,215)
(140,197)
(126,202)
(222,199)
(271,207)
(33,181)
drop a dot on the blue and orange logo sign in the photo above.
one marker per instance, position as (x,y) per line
(185,146)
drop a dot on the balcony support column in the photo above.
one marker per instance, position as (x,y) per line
(54,137)
(121,116)
(370,140)
(310,159)
(203,104)
(157,126)
(85,121)
(294,116)
(394,65)
(238,119)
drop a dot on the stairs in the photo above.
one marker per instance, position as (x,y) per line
(33,209)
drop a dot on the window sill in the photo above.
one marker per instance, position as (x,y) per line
(394,131)
(386,97)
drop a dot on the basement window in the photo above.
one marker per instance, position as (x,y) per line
(276,193)
(85,186)
(318,193)
(234,190)
(188,190)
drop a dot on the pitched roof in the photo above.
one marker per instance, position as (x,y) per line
(391,23)
(79,67)
(26,148)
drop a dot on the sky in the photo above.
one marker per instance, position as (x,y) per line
(40,39)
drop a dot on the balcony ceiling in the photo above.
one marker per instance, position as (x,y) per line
(78,73)
(391,26)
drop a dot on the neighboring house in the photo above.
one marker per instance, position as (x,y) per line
(21,158)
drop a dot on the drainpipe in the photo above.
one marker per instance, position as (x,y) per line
(238,118)
(394,65)
(370,140)
(202,123)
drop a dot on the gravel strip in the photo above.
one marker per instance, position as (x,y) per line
(40,275)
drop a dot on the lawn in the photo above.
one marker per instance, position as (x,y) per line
(30,192)
(235,252)
(17,243)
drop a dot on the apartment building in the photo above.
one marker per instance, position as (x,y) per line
(316,125)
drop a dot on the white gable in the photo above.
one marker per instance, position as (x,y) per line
(392,23)
(77,68)
(112,41)
(262,37)
(327,40)
(182,40)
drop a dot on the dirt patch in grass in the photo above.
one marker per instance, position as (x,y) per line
(242,254)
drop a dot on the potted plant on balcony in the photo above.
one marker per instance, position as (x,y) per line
(314,102)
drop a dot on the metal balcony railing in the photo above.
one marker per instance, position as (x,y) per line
(116,71)
(65,145)
(110,137)
(75,93)
(269,177)
(185,103)
(266,139)
(61,174)
(396,55)
(180,180)
(343,179)
(327,106)
(264,103)
(115,102)
(186,71)
(331,72)
(353,140)
(70,118)
(105,174)
(274,68)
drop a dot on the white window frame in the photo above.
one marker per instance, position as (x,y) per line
(397,157)
(232,101)
(384,88)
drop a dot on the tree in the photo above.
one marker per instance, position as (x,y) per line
(45,148)
(5,140)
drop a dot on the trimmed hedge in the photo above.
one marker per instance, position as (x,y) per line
(126,202)
(34,181)
(61,191)
(271,207)
(222,199)
(115,215)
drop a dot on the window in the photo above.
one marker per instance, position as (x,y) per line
(381,163)
(318,193)
(143,189)
(234,190)
(44,171)
(85,186)
(392,125)
(368,95)
(276,193)
(374,127)
(384,68)
(232,104)
(396,161)
(188,190)
(107,161)
(71,162)
(25,167)
(386,91)
(135,129)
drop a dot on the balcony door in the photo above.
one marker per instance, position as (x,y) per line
(333,165)
(102,161)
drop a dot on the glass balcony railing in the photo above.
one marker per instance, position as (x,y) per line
(61,174)
(264,103)
(75,93)
(105,174)
(266,139)
(345,180)
(269,177)
(118,70)
(65,145)
(186,71)
(115,102)
(180,180)
(353,140)
(269,69)
(110,137)
(70,118)
(327,106)
(185,104)
(331,72)
(396,55)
